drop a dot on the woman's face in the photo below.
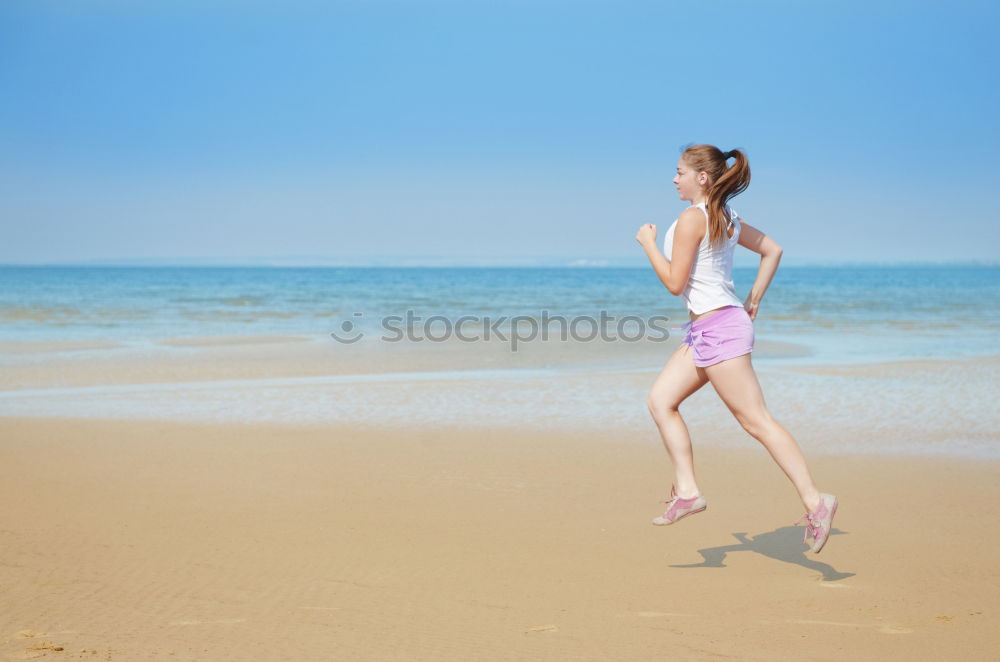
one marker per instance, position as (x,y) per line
(688,182)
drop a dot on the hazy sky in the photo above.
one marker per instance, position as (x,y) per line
(490,132)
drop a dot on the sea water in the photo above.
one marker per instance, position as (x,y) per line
(855,314)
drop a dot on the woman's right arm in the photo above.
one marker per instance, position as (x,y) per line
(770,256)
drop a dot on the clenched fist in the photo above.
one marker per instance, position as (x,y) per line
(646,234)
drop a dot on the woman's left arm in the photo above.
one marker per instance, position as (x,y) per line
(687,235)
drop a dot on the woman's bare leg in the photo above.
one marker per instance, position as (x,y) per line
(736,383)
(679,379)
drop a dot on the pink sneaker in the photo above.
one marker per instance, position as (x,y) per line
(678,508)
(820,521)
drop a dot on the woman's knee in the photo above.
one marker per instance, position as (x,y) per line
(756,423)
(661,407)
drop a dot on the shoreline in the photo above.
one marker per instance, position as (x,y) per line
(862,409)
(781,348)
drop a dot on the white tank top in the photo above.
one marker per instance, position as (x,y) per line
(710,284)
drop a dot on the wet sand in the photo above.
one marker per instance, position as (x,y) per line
(932,407)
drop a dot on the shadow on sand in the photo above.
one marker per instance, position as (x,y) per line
(784,544)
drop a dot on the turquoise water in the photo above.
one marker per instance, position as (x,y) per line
(842,314)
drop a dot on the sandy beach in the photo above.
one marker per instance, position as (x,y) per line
(273,499)
(142,539)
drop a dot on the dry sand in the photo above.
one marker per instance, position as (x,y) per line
(132,540)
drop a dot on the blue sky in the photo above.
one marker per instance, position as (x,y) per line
(490,132)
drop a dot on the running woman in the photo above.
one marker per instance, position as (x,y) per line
(697,264)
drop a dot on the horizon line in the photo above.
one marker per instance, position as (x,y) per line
(430,262)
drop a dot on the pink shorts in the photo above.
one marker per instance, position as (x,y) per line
(725,334)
